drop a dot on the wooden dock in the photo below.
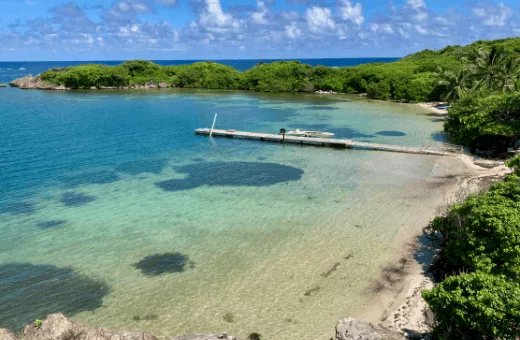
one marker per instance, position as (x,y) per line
(439,149)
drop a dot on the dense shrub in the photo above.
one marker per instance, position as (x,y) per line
(282,76)
(480,264)
(476,306)
(476,115)
(483,232)
(413,78)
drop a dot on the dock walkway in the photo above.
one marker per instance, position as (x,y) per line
(439,149)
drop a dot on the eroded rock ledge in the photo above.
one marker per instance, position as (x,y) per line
(36,83)
(58,327)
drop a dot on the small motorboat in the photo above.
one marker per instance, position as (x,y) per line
(314,134)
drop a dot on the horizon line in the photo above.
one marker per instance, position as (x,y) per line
(214,60)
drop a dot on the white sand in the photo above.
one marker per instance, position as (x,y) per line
(398,301)
(433,109)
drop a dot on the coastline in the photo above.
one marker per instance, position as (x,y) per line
(397,302)
(432,107)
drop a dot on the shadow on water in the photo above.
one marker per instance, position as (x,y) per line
(51,224)
(440,137)
(29,292)
(253,174)
(159,264)
(154,166)
(322,108)
(99,177)
(72,199)
(391,133)
(18,208)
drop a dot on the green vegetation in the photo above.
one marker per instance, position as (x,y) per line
(38,323)
(480,298)
(450,73)
(476,306)
(477,114)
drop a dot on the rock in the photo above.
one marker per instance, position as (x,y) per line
(57,326)
(206,337)
(93,88)
(61,88)
(352,329)
(29,82)
(3,85)
(6,334)
(163,85)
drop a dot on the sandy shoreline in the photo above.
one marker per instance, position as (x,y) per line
(397,299)
(432,107)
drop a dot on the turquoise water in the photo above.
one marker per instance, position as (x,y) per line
(113,211)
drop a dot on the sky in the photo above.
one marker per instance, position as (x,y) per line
(32,30)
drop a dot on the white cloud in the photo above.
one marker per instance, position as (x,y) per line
(416,4)
(319,19)
(214,16)
(129,25)
(352,12)
(500,17)
(292,31)
(260,16)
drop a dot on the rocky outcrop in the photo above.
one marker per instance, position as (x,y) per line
(7,335)
(3,85)
(352,329)
(35,83)
(206,337)
(58,327)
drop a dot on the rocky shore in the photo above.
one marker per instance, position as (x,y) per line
(58,327)
(36,83)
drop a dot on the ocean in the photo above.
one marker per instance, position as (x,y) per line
(115,213)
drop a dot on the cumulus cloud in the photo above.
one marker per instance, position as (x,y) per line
(352,12)
(491,15)
(128,25)
(319,19)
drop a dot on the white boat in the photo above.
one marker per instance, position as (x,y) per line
(315,134)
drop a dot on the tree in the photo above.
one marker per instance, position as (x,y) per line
(495,69)
(456,84)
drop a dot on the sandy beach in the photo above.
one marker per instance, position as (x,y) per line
(398,302)
(432,107)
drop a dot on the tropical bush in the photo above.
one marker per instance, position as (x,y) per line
(480,265)
(483,232)
(476,306)
(449,74)
(476,115)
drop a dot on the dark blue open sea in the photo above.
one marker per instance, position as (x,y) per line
(115,213)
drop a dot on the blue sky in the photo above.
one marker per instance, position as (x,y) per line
(241,29)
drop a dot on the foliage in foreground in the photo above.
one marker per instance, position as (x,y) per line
(476,305)
(480,264)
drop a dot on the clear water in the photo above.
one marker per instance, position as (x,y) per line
(94,183)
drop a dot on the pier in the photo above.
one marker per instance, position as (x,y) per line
(438,149)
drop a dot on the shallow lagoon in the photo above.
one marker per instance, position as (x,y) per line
(100,189)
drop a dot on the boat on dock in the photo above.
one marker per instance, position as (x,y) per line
(311,134)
